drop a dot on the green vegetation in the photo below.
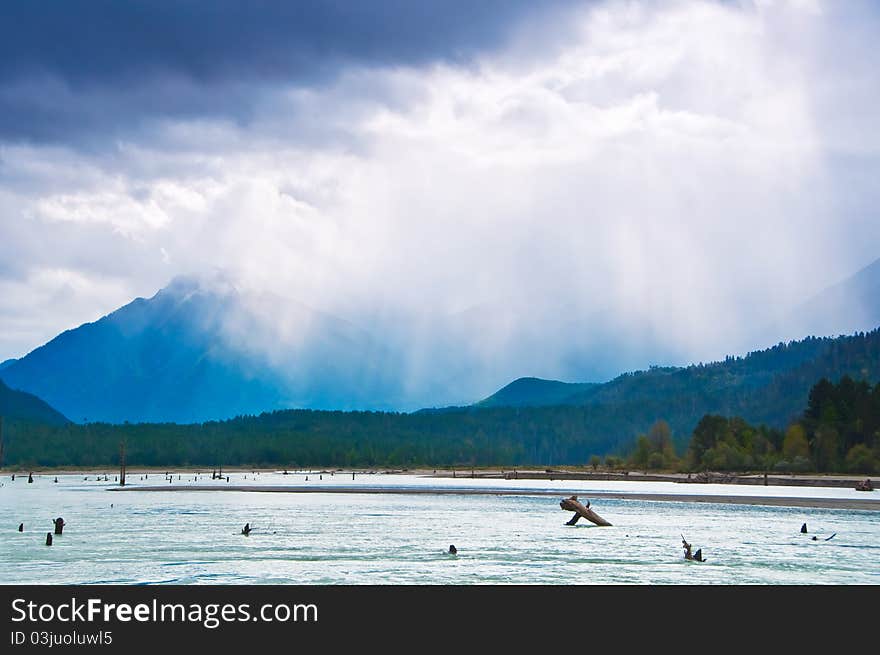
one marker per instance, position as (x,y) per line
(655,450)
(535,392)
(18,405)
(838,432)
(769,387)
(719,443)
(503,436)
(701,417)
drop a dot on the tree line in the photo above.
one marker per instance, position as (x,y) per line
(296,438)
(839,431)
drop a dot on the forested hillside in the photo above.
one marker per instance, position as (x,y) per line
(770,387)
(839,430)
(18,405)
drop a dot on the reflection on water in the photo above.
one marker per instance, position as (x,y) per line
(193,537)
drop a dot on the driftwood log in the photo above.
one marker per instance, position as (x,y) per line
(574,505)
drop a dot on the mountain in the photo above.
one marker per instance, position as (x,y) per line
(849,306)
(200,350)
(769,386)
(18,405)
(535,392)
(481,436)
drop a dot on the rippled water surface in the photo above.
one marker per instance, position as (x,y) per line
(352,538)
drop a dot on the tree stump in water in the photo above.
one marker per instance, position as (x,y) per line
(695,557)
(574,505)
(59,525)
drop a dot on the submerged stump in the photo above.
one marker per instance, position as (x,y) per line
(694,557)
(581,511)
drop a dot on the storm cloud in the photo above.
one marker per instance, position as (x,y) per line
(85,68)
(566,192)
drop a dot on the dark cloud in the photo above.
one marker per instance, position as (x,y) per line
(101,66)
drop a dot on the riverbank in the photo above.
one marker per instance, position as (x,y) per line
(836,480)
(777,501)
(707,477)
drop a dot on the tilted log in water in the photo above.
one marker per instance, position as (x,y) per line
(574,505)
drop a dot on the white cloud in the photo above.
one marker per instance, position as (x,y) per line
(33,307)
(670,168)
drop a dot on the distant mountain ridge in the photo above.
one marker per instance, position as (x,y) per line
(200,351)
(768,386)
(21,406)
(535,392)
(848,306)
(754,370)
(764,386)
(479,436)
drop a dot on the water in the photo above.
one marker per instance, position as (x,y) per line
(193,537)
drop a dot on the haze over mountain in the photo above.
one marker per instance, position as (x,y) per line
(197,351)
(565,190)
(845,308)
(852,304)
(201,349)
(769,387)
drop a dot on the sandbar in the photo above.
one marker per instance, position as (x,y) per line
(783,501)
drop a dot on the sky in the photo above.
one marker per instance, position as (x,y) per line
(535,182)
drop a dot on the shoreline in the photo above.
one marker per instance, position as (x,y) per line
(871,502)
(837,480)
(777,501)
